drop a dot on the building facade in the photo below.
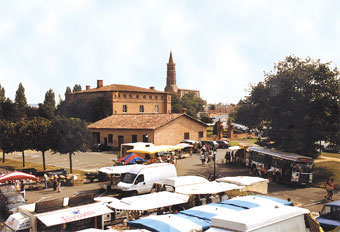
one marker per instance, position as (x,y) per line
(127,99)
(160,129)
(171,85)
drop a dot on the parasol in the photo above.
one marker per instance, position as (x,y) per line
(131,158)
(16,175)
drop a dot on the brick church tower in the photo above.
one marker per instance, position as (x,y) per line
(171,86)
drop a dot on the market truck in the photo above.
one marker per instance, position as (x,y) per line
(63,214)
(142,179)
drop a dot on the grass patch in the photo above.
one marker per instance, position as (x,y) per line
(236,142)
(332,155)
(17,165)
(324,170)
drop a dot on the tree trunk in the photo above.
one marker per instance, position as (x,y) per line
(3,156)
(43,156)
(23,158)
(70,156)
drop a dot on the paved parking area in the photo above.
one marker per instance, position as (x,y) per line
(307,197)
(86,161)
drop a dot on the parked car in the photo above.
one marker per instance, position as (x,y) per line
(330,216)
(10,199)
(100,147)
(196,144)
(331,148)
(211,143)
(223,144)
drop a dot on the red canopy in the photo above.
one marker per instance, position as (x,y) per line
(16,175)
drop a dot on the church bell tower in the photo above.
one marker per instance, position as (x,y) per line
(171,86)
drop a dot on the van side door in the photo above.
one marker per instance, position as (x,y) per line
(140,185)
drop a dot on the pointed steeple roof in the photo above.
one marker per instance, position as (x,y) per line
(170,58)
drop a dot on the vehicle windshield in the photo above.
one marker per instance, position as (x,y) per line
(15,199)
(129,178)
(331,212)
(303,167)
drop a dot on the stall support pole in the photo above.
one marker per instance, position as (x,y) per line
(215,168)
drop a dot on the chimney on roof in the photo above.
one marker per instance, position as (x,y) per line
(99,83)
(88,87)
(184,110)
(152,87)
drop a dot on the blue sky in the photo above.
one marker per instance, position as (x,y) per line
(219,46)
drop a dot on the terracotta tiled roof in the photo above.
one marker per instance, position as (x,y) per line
(118,87)
(136,121)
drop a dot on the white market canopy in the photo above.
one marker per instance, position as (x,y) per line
(149,201)
(73,214)
(207,188)
(155,149)
(185,180)
(117,169)
(234,148)
(242,180)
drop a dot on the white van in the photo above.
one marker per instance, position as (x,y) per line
(141,179)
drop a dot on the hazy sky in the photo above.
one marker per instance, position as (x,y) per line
(219,46)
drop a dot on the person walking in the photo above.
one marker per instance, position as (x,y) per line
(59,185)
(329,189)
(46,180)
(22,188)
(54,184)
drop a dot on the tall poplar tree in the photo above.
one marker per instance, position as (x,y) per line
(20,101)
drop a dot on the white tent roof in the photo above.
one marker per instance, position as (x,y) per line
(117,169)
(149,201)
(206,188)
(234,148)
(242,180)
(71,214)
(185,180)
(251,219)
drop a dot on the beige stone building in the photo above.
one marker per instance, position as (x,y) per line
(127,99)
(160,129)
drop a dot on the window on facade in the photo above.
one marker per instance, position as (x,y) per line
(157,108)
(186,135)
(134,138)
(124,95)
(124,108)
(137,96)
(141,109)
(156,97)
(144,96)
(150,96)
(118,95)
(200,134)
(130,96)
(110,138)
(161,97)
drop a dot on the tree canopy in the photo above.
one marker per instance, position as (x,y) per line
(298,104)
(20,101)
(48,108)
(189,101)
(69,136)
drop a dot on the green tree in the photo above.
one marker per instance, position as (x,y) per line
(2,94)
(67,93)
(298,103)
(7,136)
(207,119)
(76,88)
(189,101)
(23,138)
(41,130)
(20,101)
(47,109)
(69,135)
(8,110)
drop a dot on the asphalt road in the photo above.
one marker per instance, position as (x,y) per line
(307,197)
